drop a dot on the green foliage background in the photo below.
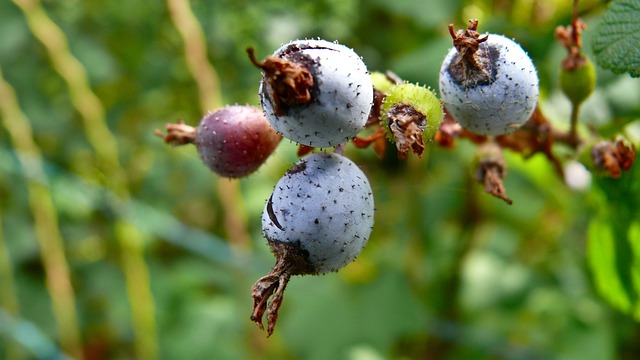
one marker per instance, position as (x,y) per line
(449,272)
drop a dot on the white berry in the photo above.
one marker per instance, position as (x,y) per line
(317,220)
(495,90)
(328,99)
(323,206)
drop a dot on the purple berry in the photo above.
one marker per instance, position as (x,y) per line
(235,140)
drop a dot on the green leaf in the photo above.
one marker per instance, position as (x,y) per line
(602,256)
(615,43)
(613,248)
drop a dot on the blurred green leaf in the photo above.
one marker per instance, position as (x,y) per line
(613,248)
(616,41)
(604,261)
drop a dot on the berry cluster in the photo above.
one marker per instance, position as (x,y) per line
(319,94)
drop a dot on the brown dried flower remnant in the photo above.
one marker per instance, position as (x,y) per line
(407,125)
(491,170)
(571,38)
(291,81)
(178,134)
(469,68)
(289,262)
(614,156)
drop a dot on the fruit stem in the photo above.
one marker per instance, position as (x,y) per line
(574,139)
(178,134)
(291,82)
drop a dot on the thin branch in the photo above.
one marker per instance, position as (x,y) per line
(45,218)
(206,78)
(8,296)
(114,177)
(195,50)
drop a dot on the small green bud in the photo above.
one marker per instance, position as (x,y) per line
(577,84)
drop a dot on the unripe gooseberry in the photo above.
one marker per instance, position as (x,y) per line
(578,83)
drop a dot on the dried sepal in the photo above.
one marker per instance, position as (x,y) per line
(178,134)
(406,126)
(471,64)
(377,139)
(289,261)
(291,81)
(411,114)
(492,170)
(614,156)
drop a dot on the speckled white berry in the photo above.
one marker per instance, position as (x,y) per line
(340,98)
(322,208)
(505,102)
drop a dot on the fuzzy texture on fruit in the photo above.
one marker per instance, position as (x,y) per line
(235,140)
(323,208)
(317,220)
(328,100)
(578,83)
(412,115)
(496,98)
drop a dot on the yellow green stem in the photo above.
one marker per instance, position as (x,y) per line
(206,78)
(45,219)
(8,296)
(114,178)
(195,49)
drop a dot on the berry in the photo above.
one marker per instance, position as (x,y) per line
(488,84)
(235,140)
(317,220)
(412,114)
(232,141)
(315,92)
(578,83)
(578,74)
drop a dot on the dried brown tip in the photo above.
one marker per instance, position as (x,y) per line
(614,156)
(407,126)
(290,260)
(571,38)
(178,134)
(291,82)
(467,41)
(272,284)
(491,171)
(471,66)
(377,139)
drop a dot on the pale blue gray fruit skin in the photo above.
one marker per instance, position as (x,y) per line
(500,107)
(341,99)
(323,206)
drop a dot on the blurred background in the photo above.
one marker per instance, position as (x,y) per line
(115,245)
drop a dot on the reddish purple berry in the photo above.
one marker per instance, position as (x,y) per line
(235,140)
